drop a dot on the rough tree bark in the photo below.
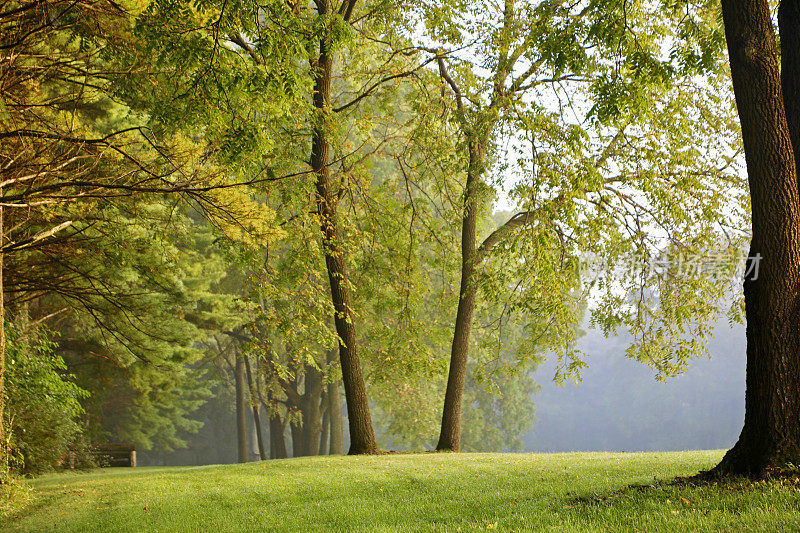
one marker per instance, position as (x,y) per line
(770,439)
(789,23)
(362,434)
(241,421)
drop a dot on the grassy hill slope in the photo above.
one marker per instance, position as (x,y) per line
(415,492)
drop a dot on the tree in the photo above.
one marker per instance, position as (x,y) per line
(241,413)
(154,287)
(590,89)
(44,403)
(255,406)
(255,128)
(72,159)
(766,98)
(336,444)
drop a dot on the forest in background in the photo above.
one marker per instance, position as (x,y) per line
(617,406)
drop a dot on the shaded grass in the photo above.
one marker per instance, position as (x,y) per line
(414,492)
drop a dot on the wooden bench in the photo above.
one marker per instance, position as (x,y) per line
(115,454)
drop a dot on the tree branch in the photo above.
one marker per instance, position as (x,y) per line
(379,83)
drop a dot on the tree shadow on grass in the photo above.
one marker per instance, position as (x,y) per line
(707,481)
(689,504)
(700,502)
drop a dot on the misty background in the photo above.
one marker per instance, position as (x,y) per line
(618,406)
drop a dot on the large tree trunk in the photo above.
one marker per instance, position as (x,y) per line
(450,435)
(770,438)
(256,414)
(241,420)
(362,434)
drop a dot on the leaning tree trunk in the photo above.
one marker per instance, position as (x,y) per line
(770,438)
(241,421)
(362,434)
(450,435)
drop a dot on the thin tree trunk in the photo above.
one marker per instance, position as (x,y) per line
(254,405)
(323,438)
(297,439)
(450,435)
(312,420)
(277,438)
(770,438)
(362,434)
(335,413)
(252,441)
(294,406)
(273,444)
(241,421)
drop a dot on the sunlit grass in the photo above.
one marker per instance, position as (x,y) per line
(414,492)
(15,495)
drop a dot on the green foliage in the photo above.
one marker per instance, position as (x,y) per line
(500,409)
(608,129)
(137,345)
(129,281)
(43,400)
(221,74)
(606,126)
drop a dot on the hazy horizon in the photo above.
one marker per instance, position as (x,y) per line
(619,406)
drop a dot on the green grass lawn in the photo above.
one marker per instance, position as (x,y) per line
(414,492)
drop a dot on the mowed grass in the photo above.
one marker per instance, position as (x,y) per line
(413,492)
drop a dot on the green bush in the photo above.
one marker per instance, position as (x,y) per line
(43,403)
